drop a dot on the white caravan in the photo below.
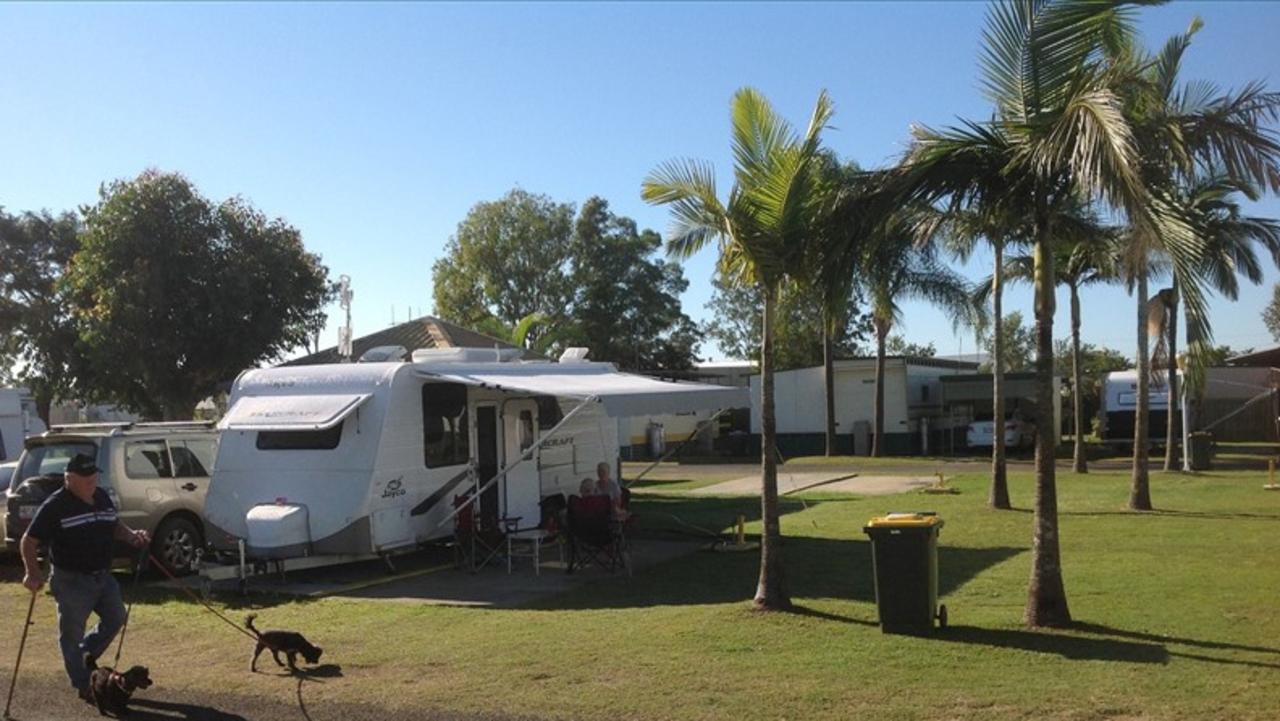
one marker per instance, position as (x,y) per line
(367,458)
(1120,407)
(18,419)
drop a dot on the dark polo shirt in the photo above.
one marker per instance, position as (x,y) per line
(79,535)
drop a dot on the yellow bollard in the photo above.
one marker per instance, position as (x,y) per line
(742,529)
(1271,476)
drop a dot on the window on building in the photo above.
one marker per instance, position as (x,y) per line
(445,437)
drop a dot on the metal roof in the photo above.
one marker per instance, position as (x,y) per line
(425,332)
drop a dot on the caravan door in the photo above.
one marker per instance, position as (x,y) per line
(521,489)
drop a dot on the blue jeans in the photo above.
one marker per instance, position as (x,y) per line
(78,595)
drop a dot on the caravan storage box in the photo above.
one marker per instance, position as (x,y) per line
(278,530)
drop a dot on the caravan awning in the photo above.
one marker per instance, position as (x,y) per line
(290,413)
(621,394)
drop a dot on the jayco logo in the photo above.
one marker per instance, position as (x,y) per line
(395,487)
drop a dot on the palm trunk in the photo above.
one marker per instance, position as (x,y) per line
(1140,488)
(771,591)
(1171,421)
(829,384)
(1046,595)
(1078,462)
(1192,403)
(999,497)
(877,441)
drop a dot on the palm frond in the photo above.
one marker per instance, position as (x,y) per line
(1093,138)
(1033,48)
(1234,132)
(697,216)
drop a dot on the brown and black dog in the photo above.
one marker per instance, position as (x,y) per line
(287,642)
(111,690)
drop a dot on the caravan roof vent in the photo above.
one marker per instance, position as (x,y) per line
(385,354)
(466,355)
(574,355)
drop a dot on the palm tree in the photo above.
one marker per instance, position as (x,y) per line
(1210,208)
(1000,227)
(1058,134)
(1085,254)
(831,269)
(1068,123)
(763,230)
(899,264)
(519,335)
(1182,131)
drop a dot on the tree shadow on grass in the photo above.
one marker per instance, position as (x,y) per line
(1075,648)
(815,568)
(1102,630)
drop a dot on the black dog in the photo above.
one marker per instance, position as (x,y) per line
(287,642)
(111,690)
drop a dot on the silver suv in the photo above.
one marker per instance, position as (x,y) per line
(156,473)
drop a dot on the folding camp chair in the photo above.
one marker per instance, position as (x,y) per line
(476,543)
(528,542)
(595,536)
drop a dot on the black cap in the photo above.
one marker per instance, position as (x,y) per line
(82,465)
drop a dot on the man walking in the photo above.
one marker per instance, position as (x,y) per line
(78,525)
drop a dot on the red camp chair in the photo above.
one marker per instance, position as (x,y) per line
(595,536)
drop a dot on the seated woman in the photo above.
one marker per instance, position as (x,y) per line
(587,488)
(606,486)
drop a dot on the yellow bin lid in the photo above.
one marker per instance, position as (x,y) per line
(905,520)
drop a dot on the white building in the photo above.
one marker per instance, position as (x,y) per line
(912,395)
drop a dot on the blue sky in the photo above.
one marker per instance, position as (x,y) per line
(374,128)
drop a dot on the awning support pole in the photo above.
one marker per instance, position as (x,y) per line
(696,430)
(525,455)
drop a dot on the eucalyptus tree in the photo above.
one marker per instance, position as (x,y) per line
(1058,133)
(900,263)
(763,230)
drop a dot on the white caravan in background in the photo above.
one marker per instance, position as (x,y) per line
(18,419)
(367,458)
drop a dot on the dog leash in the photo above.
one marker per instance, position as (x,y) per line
(21,646)
(133,596)
(197,599)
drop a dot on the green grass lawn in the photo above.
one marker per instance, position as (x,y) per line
(1179,615)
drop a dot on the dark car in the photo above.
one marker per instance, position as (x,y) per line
(39,473)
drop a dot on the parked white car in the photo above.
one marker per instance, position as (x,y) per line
(1018,433)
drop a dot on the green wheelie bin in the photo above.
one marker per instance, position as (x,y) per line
(904,560)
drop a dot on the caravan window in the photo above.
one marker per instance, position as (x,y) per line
(526,430)
(445,439)
(325,440)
